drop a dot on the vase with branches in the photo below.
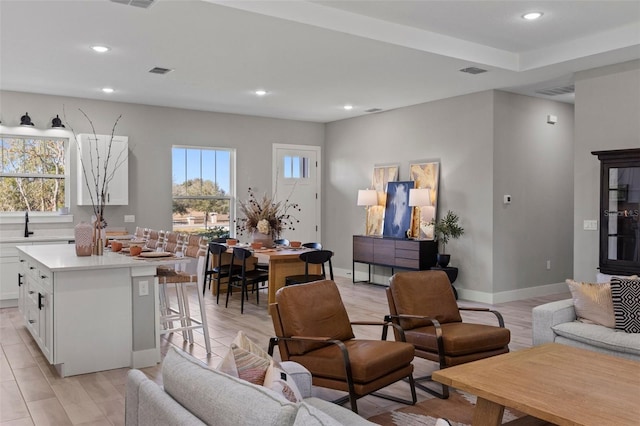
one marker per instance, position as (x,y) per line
(263,215)
(445,229)
(98,172)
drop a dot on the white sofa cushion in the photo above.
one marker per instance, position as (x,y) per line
(217,398)
(600,336)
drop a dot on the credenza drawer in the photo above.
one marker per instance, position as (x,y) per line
(407,254)
(407,263)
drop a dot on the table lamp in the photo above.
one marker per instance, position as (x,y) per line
(418,198)
(367,198)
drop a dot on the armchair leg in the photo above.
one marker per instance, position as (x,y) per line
(445,388)
(352,397)
(272,343)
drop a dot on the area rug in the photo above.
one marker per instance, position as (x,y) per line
(458,409)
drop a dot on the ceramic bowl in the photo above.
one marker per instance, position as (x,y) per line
(135,250)
(231,242)
(295,244)
(116,246)
(256,246)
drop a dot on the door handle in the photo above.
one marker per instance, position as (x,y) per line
(40,298)
(20,276)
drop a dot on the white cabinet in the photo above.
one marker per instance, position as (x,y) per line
(9,269)
(36,303)
(93,152)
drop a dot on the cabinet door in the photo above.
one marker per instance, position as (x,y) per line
(93,153)
(9,269)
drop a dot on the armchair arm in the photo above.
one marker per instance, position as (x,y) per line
(496,313)
(339,343)
(434,322)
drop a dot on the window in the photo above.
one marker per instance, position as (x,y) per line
(295,167)
(203,190)
(32,173)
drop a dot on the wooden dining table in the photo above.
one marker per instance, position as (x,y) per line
(283,262)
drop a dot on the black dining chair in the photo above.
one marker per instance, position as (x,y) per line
(219,270)
(245,277)
(315,246)
(281,242)
(314,257)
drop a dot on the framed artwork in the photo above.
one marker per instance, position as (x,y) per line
(425,175)
(397,214)
(382,175)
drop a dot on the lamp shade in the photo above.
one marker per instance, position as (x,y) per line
(367,197)
(57,123)
(419,197)
(25,120)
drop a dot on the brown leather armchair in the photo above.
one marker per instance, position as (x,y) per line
(422,303)
(312,328)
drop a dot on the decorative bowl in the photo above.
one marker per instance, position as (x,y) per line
(135,250)
(256,246)
(116,246)
(295,244)
(231,241)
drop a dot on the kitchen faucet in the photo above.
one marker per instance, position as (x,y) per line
(26,225)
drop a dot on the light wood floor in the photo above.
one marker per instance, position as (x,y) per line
(31,392)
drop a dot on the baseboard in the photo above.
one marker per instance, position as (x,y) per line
(472,295)
(512,295)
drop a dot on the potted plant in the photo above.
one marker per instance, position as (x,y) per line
(445,229)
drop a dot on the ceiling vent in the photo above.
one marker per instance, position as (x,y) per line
(555,91)
(160,70)
(137,3)
(473,70)
(373,110)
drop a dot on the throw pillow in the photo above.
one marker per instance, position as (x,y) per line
(242,341)
(244,365)
(279,381)
(626,304)
(592,302)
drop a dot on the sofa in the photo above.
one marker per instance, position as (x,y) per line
(557,322)
(194,394)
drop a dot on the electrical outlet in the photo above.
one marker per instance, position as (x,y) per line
(507,199)
(129,218)
(548,264)
(143,288)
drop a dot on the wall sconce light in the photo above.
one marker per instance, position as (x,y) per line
(367,198)
(56,123)
(420,198)
(25,120)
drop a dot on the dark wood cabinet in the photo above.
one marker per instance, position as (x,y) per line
(400,253)
(619,211)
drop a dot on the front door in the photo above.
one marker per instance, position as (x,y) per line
(296,178)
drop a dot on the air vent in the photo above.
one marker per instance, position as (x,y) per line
(160,70)
(555,91)
(473,70)
(137,3)
(373,110)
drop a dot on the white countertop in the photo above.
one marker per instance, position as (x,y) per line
(37,238)
(62,257)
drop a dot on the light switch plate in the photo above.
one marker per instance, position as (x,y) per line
(129,218)
(590,225)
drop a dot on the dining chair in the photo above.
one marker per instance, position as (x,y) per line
(246,277)
(314,257)
(312,328)
(281,242)
(422,303)
(217,268)
(315,246)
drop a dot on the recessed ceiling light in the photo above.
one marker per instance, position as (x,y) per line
(260,92)
(532,16)
(107,90)
(100,49)
(348,107)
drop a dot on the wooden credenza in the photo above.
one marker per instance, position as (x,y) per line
(401,253)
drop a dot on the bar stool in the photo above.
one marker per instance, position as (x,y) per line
(181,312)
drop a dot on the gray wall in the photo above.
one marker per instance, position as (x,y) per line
(607,114)
(533,162)
(152,131)
(488,144)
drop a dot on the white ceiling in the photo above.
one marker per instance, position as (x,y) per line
(313,57)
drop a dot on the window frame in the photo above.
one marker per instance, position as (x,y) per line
(38,216)
(232,182)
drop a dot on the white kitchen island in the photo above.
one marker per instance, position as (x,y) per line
(90,313)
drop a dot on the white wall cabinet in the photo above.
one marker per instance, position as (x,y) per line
(93,152)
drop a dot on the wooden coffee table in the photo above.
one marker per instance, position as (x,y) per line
(556,383)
